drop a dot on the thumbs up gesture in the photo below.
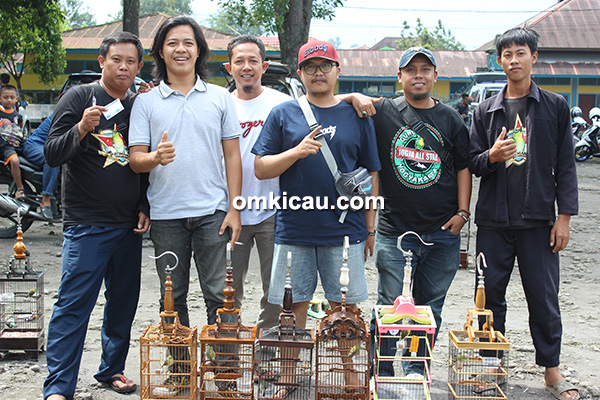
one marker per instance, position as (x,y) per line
(165,151)
(503,149)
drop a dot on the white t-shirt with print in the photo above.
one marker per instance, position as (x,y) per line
(252,114)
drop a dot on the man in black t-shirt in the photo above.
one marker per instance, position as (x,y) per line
(103,220)
(426,189)
(522,148)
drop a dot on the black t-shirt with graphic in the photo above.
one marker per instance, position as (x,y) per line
(99,188)
(420,192)
(516,167)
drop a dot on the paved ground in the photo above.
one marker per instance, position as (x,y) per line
(22,379)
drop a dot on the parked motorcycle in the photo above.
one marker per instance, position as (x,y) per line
(588,146)
(29,208)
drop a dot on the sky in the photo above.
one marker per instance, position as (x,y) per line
(360,22)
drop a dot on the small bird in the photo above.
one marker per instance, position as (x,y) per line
(210,353)
(354,350)
(32,292)
(168,361)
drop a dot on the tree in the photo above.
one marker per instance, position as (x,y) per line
(76,15)
(438,39)
(169,7)
(289,19)
(31,39)
(225,22)
(131,16)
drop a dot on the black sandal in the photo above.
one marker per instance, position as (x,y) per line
(124,379)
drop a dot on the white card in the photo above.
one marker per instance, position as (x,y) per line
(113,108)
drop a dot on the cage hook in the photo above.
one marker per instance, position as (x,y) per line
(168,268)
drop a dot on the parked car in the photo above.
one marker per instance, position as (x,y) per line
(486,84)
(26,122)
(278,76)
(87,76)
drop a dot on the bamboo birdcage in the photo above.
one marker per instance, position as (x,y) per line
(404,336)
(227,350)
(284,354)
(478,359)
(168,354)
(343,354)
(21,303)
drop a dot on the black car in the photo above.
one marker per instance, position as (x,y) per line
(87,76)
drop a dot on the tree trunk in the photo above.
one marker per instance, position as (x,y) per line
(295,30)
(131,16)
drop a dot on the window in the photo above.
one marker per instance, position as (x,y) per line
(371,88)
(589,81)
(74,66)
(458,88)
(551,80)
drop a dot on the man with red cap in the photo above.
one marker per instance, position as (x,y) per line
(312,231)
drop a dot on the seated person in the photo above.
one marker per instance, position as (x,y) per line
(11,123)
(33,150)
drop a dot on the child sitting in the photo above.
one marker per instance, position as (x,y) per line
(11,122)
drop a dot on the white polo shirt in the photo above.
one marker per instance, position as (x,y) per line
(194,184)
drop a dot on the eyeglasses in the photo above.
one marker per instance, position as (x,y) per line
(312,68)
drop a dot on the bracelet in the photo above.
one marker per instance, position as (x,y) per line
(371,233)
(462,216)
(465,211)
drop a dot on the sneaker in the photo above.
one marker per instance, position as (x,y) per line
(172,386)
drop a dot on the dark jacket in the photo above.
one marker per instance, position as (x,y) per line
(551,173)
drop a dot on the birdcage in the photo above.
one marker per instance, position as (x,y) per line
(284,354)
(478,359)
(403,340)
(227,350)
(21,304)
(398,345)
(168,354)
(343,349)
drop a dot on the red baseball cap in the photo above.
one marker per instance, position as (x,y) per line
(317,49)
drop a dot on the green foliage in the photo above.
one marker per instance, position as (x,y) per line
(290,20)
(76,15)
(32,29)
(226,22)
(436,39)
(272,14)
(169,7)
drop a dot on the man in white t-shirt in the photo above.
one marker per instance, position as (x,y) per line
(253,103)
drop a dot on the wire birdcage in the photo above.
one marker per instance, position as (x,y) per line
(227,350)
(284,354)
(478,359)
(168,354)
(403,340)
(21,303)
(343,354)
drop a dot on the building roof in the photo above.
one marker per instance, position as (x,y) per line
(90,37)
(384,63)
(387,41)
(569,25)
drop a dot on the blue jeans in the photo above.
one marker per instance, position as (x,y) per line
(35,154)
(199,235)
(433,269)
(91,255)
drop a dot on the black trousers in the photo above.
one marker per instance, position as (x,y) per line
(539,269)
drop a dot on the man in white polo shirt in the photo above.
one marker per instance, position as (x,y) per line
(189,192)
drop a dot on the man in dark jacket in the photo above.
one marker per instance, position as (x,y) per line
(522,148)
